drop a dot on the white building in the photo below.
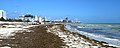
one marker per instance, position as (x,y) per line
(31,18)
(2,14)
(38,18)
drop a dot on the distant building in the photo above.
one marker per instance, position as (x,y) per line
(2,14)
(38,18)
(31,18)
(21,17)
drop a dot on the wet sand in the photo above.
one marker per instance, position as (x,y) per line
(76,40)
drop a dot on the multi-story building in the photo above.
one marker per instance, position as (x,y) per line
(38,18)
(31,18)
(2,14)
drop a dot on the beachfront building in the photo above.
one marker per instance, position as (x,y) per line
(28,18)
(2,14)
(38,19)
(21,17)
(31,18)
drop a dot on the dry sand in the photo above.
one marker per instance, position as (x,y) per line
(37,38)
(50,36)
(76,40)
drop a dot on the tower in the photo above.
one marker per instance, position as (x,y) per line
(2,14)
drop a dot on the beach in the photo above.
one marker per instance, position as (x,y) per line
(60,24)
(49,36)
(32,37)
(77,40)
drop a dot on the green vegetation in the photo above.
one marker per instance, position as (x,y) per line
(2,19)
(12,20)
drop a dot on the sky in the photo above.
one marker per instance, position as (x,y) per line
(87,11)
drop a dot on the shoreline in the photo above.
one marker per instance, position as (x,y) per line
(80,30)
(76,37)
(55,35)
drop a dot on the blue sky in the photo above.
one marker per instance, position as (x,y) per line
(87,11)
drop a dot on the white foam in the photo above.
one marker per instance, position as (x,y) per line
(111,41)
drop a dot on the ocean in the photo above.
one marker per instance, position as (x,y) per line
(106,32)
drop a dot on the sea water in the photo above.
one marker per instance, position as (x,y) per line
(106,32)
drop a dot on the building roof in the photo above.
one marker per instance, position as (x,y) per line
(29,15)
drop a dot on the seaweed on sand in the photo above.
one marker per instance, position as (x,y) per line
(37,39)
(94,42)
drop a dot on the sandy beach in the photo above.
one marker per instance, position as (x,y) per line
(32,37)
(76,40)
(48,36)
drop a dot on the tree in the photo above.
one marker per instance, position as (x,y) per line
(9,19)
(64,21)
(18,20)
(27,20)
(28,17)
(66,18)
(2,19)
